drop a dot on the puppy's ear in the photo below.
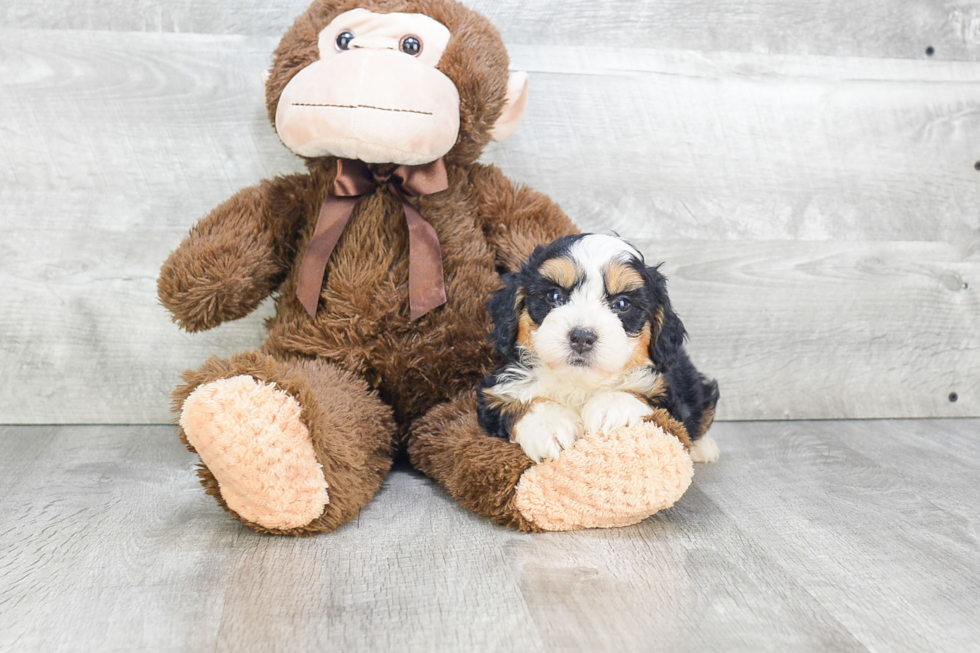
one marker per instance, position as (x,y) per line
(505,306)
(668,332)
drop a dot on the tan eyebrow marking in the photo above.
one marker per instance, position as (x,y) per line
(621,278)
(562,271)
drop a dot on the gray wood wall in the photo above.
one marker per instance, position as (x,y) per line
(806,171)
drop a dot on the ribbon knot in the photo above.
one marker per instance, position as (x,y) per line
(426,283)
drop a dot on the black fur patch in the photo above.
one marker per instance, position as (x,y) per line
(689,394)
(491,418)
(532,289)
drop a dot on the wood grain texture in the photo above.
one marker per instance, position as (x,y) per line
(817,215)
(847,508)
(810,329)
(692,145)
(792,330)
(870,28)
(806,536)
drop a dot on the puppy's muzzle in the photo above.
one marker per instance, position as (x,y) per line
(582,340)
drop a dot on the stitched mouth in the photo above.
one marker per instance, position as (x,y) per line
(360,106)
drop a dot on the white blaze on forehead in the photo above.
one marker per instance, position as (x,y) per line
(599,249)
(386,31)
(591,254)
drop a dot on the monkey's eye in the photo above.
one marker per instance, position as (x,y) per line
(344,39)
(621,305)
(555,297)
(411,45)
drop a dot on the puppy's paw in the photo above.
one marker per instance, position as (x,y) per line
(705,450)
(546,430)
(610,410)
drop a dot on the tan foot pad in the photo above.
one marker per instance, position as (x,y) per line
(603,481)
(249,434)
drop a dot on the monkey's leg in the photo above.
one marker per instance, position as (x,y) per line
(292,447)
(480,471)
(603,481)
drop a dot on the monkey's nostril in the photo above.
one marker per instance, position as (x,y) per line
(582,340)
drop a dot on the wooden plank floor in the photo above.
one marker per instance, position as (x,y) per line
(807,536)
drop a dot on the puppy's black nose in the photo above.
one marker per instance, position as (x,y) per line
(582,340)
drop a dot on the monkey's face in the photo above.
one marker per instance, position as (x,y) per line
(375,94)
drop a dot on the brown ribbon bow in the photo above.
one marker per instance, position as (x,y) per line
(426,285)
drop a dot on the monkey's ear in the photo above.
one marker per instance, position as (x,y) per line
(514,105)
(505,306)
(668,331)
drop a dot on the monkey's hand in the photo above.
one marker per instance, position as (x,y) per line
(235,257)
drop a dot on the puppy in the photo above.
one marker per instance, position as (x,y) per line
(590,343)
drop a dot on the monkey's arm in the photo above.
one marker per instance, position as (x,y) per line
(515,218)
(236,256)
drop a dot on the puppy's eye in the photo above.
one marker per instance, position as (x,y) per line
(556,297)
(411,45)
(621,305)
(344,39)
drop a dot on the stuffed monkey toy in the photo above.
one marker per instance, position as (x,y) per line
(381,259)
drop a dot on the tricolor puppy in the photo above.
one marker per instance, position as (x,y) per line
(590,343)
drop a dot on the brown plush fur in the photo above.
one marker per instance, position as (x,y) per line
(352,429)
(479,471)
(236,256)
(362,354)
(475,60)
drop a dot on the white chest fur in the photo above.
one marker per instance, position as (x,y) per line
(571,388)
(575,404)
